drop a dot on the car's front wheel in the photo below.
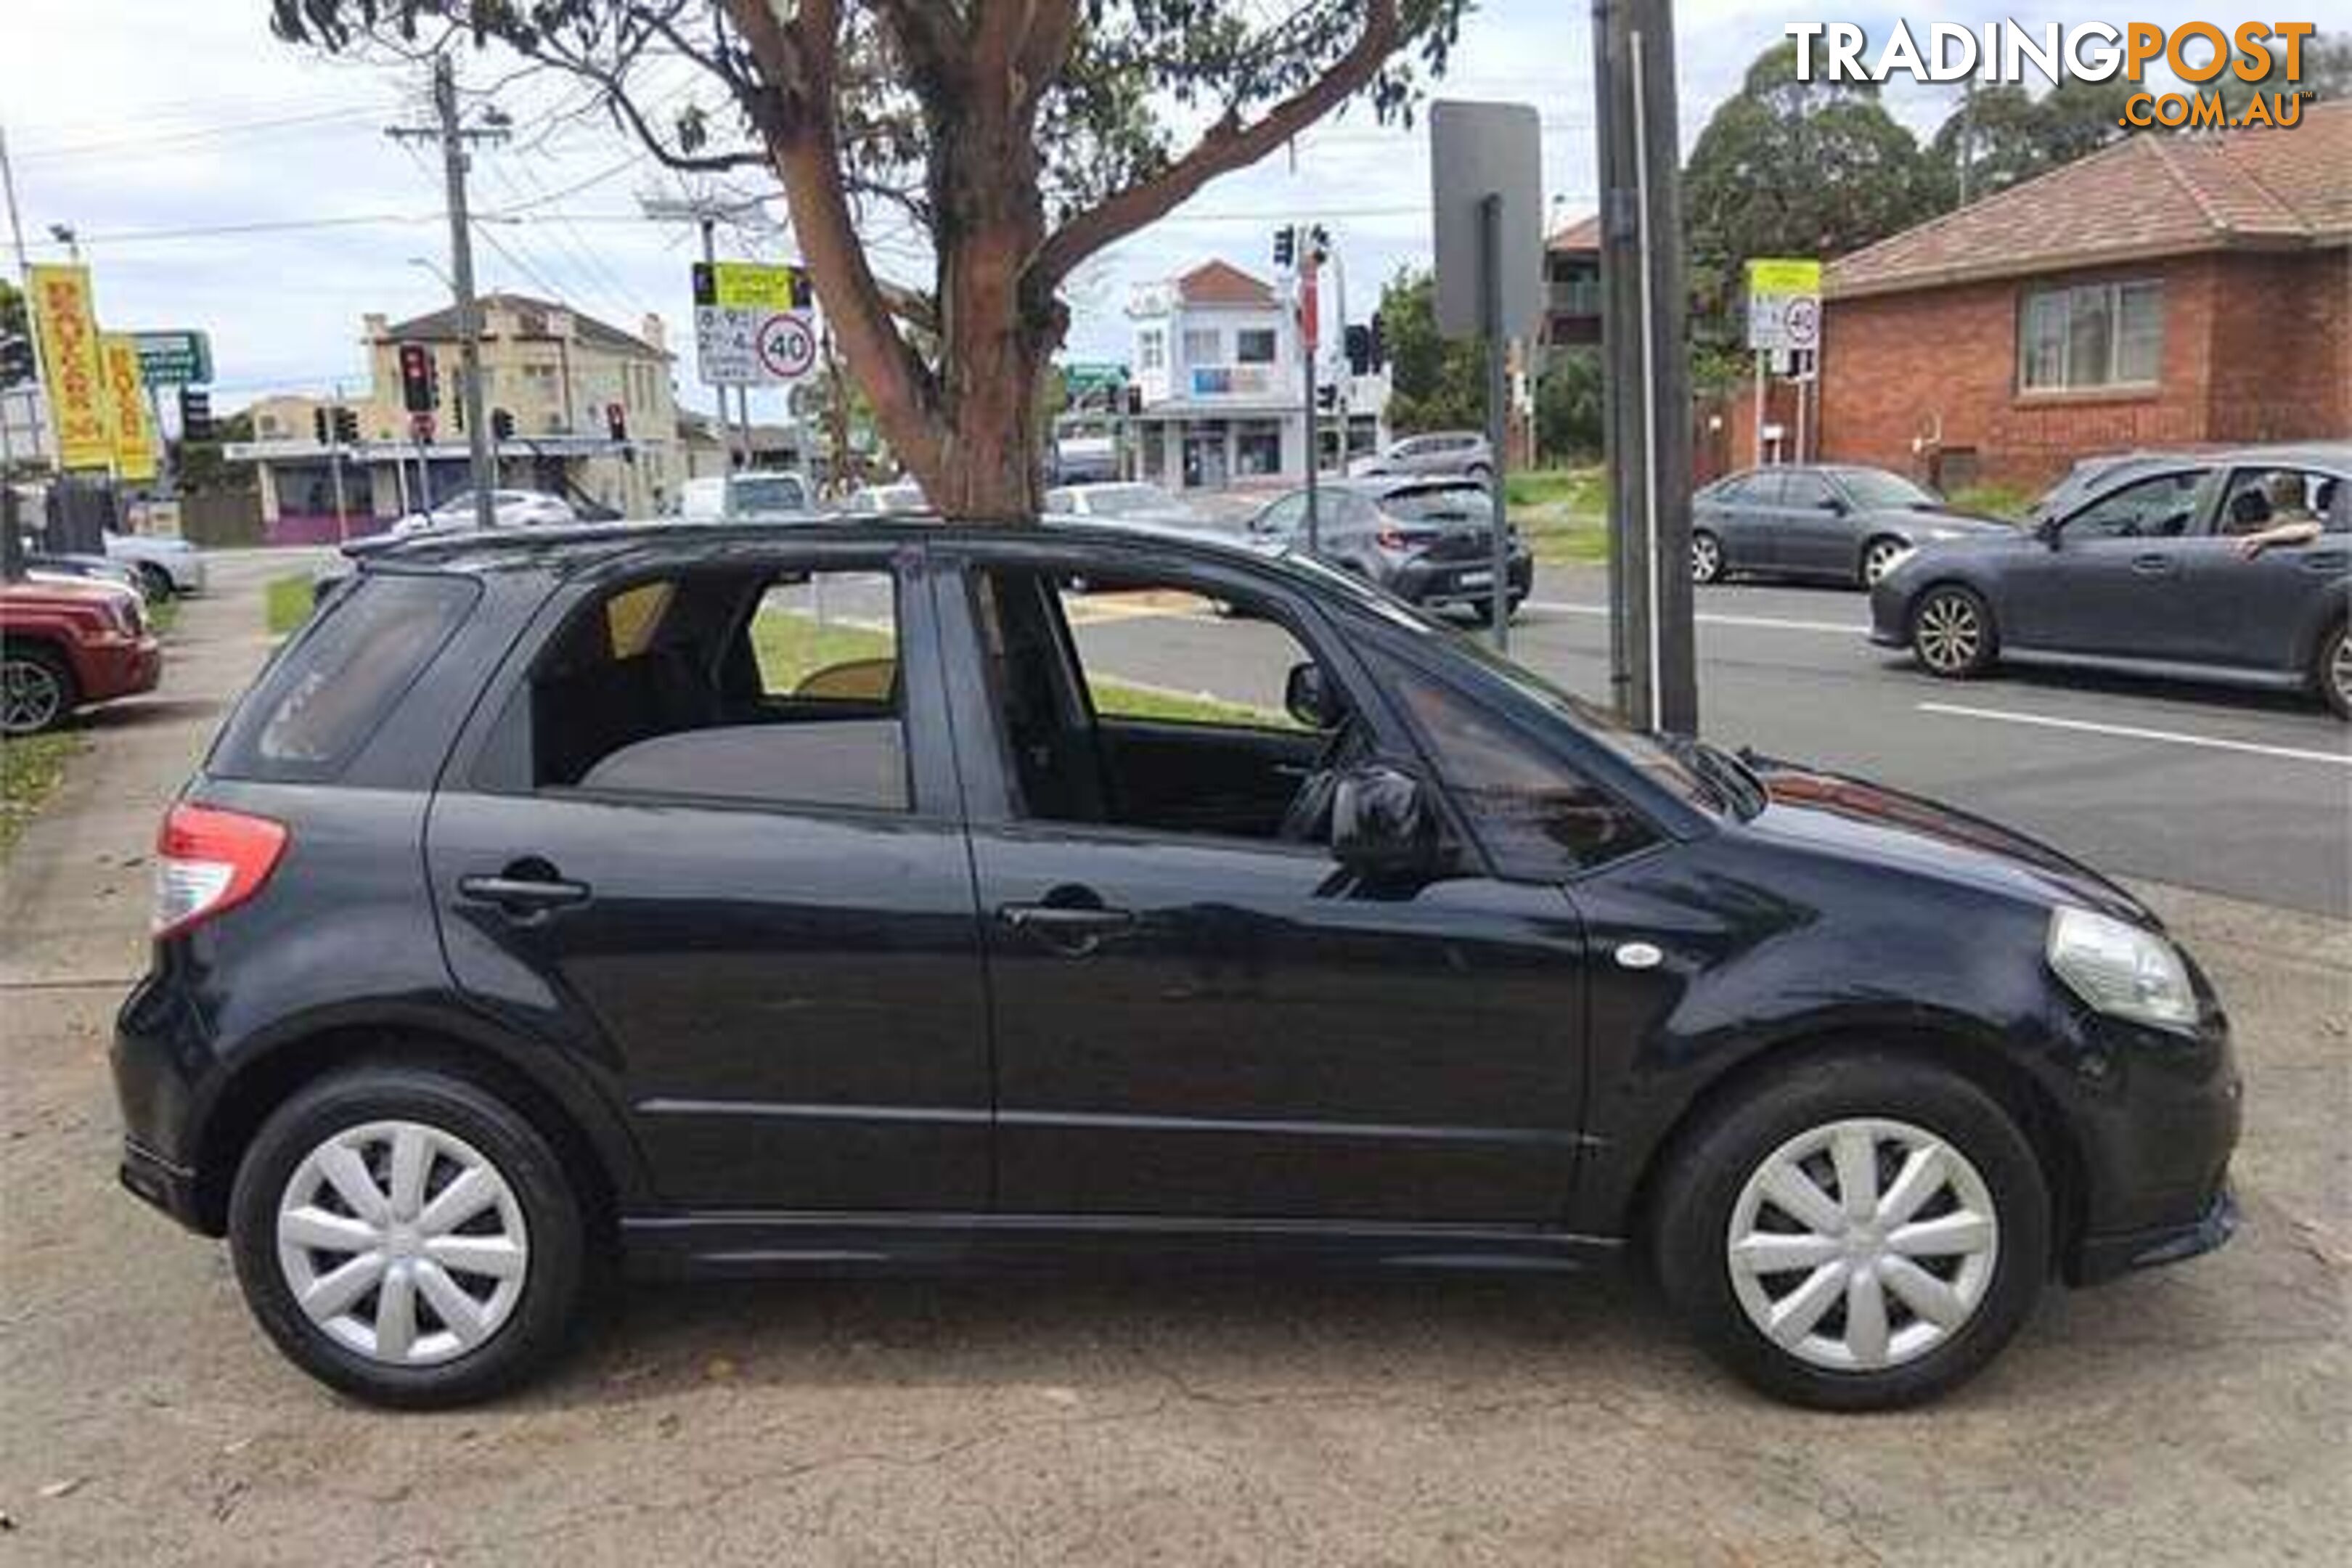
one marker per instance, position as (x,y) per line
(1879,557)
(2332,671)
(406,1236)
(155,584)
(1862,1232)
(1952,633)
(1707,557)
(36,689)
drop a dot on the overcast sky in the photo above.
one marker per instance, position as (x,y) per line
(139,121)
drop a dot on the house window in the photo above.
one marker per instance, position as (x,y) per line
(1151,349)
(1257,448)
(1254,345)
(1203,345)
(2091,335)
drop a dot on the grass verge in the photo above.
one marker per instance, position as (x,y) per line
(30,771)
(286,601)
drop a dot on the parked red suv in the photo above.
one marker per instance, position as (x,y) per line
(64,645)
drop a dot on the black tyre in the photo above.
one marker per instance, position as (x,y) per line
(1707,557)
(1952,633)
(1860,1232)
(2331,671)
(1481,611)
(155,582)
(406,1236)
(36,688)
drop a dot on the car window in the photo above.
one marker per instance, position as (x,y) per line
(2159,507)
(1533,813)
(1282,517)
(1875,490)
(1759,489)
(739,686)
(1251,657)
(2261,498)
(1442,504)
(770,493)
(328,689)
(1804,490)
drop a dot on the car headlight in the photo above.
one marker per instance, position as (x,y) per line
(2120,969)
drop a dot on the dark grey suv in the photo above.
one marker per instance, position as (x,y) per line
(2235,568)
(1430,542)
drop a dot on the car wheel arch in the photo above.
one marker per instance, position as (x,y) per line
(596,1151)
(1927,590)
(1949,1045)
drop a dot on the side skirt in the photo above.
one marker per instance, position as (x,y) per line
(737,1245)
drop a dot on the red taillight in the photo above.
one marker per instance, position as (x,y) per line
(208,862)
(1391,538)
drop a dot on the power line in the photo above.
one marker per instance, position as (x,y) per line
(76,151)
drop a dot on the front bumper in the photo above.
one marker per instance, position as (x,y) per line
(1890,612)
(2100,1258)
(122,668)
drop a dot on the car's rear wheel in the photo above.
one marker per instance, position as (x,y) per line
(1862,1232)
(1707,557)
(406,1236)
(1879,557)
(1481,611)
(2332,670)
(1952,633)
(36,689)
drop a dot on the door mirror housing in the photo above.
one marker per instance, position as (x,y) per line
(1832,505)
(1310,697)
(2046,530)
(1382,826)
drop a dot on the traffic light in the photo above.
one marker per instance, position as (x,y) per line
(617,422)
(1379,344)
(1327,398)
(1360,348)
(501,425)
(1319,244)
(347,426)
(1285,245)
(197,416)
(420,379)
(16,359)
(320,430)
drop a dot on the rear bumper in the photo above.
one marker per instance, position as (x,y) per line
(168,1186)
(1459,581)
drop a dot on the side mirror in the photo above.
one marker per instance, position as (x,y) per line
(1834,505)
(2046,530)
(1310,697)
(1381,824)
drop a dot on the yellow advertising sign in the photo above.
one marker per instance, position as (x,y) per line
(72,364)
(1772,276)
(126,407)
(751,285)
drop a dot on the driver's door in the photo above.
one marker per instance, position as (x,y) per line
(2107,578)
(1221,1024)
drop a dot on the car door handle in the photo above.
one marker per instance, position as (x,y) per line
(1073,930)
(526,895)
(2152,565)
(2326,561)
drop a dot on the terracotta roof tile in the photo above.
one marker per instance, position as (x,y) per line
(1582,235)
(1222,283)
(2155,194)
(441,326)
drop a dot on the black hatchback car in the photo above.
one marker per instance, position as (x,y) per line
(733,901)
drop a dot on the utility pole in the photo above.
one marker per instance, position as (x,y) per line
(454,139)
(1647,376)
(11,536)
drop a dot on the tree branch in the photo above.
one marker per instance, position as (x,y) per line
(1227,145)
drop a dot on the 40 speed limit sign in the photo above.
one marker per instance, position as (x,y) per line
(786,346)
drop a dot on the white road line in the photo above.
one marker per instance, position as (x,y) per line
(1707,618)
(2132,732)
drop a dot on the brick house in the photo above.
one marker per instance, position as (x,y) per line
(2167,291)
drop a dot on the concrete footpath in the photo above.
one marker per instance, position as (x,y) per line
(2200,1414)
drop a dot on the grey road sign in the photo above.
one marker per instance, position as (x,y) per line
(1476,151)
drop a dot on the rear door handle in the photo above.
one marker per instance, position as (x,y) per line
(523,896)
(2326,561)
(2152,565)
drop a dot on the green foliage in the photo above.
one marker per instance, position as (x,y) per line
(2014,136)
(1993,501)
(1436,382)
(285,603)
(12,314)
(1791,168)
(1569,409)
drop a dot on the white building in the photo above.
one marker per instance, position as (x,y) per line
(1217,365)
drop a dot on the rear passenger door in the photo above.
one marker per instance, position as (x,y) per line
(1812,532)
(706,837)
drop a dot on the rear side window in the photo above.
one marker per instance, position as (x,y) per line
(322,698)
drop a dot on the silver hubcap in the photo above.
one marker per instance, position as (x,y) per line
(29,697)
(402,1242)
(1862,1245)
(1706,558)
(1949,633)
(1881,559)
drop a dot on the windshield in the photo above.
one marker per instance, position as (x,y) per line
(1875,490)
(1441,503)
(781,493)
(1129,500)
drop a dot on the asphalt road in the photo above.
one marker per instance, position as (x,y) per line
(2191,1416)
(2245,793)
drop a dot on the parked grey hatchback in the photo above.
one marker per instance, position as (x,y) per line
(1829,523)
(2235,567)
